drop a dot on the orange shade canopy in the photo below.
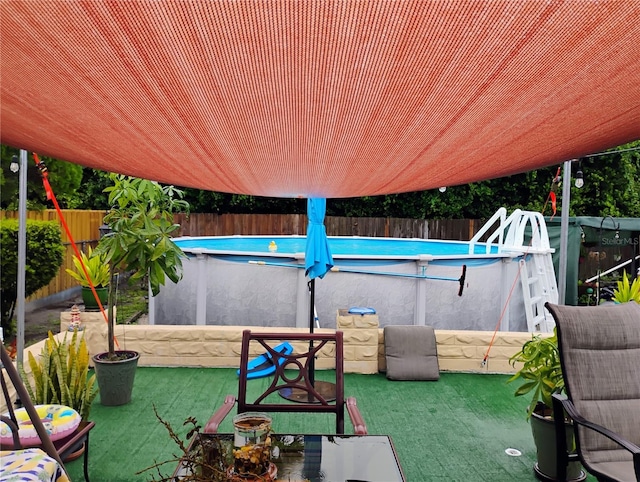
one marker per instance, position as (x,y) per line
(319,98)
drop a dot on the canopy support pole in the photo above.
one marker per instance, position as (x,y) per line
(564,232)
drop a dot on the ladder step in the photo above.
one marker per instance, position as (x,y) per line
(536,299)
(532,280)
(538,321)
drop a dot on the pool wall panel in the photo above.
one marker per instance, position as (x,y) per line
(239,293)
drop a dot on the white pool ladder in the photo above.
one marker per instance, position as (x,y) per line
(538,283)
(537,276)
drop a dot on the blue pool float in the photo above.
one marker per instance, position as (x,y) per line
(263,365)
(361,310)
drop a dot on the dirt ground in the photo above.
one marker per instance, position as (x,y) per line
(38,322)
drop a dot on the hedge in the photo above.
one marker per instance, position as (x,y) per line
(44,257)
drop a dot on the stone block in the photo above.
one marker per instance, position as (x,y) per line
(361,337)
(345,320)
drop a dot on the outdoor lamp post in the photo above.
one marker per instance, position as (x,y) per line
(104,230)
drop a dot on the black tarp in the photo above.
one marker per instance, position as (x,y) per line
(622,234)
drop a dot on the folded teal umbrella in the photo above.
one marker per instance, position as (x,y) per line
(317,256)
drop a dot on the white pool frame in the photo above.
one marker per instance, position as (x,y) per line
(507,293)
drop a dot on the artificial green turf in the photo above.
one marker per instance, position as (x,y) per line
(455,429)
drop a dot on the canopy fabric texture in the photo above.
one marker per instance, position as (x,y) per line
(319,98)
(317,256)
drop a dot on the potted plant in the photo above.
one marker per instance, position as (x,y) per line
(627,291)
(542,376)
(61,376)
(90,270)
(141,222)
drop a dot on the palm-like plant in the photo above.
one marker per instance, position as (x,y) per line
(96,268)
(627,291)
(541,370)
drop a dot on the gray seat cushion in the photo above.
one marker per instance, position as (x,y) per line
(411,353)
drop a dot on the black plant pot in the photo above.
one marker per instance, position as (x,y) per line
(544,437)
(115,377)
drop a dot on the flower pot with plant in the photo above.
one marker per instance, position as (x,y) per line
(541,373)
(627,291)
(91,269)
(141,222)
(60,376)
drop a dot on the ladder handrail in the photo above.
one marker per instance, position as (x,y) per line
(514,226)
(500,214)
(539,233)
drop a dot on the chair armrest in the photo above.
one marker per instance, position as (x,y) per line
(573,413)
(359,427)
(217,418)
(561,401)
(14,431)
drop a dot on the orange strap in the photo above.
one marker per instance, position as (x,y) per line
(552,197)
(51,196)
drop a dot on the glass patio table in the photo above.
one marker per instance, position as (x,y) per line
(321,458)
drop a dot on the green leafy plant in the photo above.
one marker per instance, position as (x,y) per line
(97,269)
(45,256)
(60,375)
(627,291)
(540,370)
(141,222)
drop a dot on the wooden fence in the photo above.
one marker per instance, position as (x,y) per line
(83,226)
(296,224)
(84,229)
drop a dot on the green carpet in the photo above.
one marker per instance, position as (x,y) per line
(455,429)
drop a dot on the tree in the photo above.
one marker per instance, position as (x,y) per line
(141,222)
(65,178)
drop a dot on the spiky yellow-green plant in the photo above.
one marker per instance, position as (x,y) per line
(97,269)
(627,291)
(60,376)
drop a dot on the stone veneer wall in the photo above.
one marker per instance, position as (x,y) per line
(219,346)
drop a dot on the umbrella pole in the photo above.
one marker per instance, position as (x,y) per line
(312,291)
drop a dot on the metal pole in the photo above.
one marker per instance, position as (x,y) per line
(22,253)
(312,361)
(564,232)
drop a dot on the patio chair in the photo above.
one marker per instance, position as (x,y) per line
(57,450)
(302,382)
(600,357)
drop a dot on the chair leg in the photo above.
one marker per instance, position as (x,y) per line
(86,459)
(562,458)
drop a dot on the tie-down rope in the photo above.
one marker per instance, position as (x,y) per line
(44,173)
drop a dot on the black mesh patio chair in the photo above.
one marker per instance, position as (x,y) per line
(600,357)
(298,378)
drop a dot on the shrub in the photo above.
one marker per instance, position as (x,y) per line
(61,375)
(44,258)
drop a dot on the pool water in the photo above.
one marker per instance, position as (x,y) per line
(339,246)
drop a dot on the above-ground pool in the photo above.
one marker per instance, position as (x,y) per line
(260,281)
